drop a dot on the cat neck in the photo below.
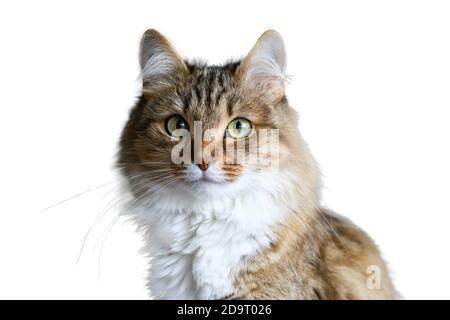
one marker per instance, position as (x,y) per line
(197,248)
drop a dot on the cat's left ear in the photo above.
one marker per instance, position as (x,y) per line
(263,69)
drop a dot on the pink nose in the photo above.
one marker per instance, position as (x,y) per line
(203,166)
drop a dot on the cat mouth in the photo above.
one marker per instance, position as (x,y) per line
(194,175)
(205,179)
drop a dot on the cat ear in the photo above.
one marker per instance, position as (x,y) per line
(161,66)
(263,69)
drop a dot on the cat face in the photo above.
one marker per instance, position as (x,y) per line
(201,128)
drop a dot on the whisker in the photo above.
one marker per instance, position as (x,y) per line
(333,231)
(158,186)
(78,195)
(144,182)
(102,214)
(109,228)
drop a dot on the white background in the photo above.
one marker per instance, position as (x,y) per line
(371,83)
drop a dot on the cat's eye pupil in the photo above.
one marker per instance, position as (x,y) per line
(180,124)
(238,126)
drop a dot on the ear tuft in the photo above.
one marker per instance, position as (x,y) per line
(160,63)
(265,65)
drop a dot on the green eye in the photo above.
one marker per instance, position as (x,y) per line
(174,123)
(239,128)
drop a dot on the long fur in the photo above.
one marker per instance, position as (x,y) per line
(235,230)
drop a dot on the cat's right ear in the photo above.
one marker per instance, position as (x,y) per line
(161,66)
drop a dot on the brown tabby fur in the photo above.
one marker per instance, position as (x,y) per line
(328,259)
(316,254)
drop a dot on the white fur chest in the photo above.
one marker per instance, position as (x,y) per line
(196,249)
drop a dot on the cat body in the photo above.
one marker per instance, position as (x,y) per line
(216,229)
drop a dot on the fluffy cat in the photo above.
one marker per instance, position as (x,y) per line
(220,229)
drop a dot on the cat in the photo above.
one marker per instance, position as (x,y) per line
(220,229)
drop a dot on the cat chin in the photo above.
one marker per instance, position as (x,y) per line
(196,192)
(206,187)
(204,183)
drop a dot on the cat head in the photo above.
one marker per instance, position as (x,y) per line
(199,129)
